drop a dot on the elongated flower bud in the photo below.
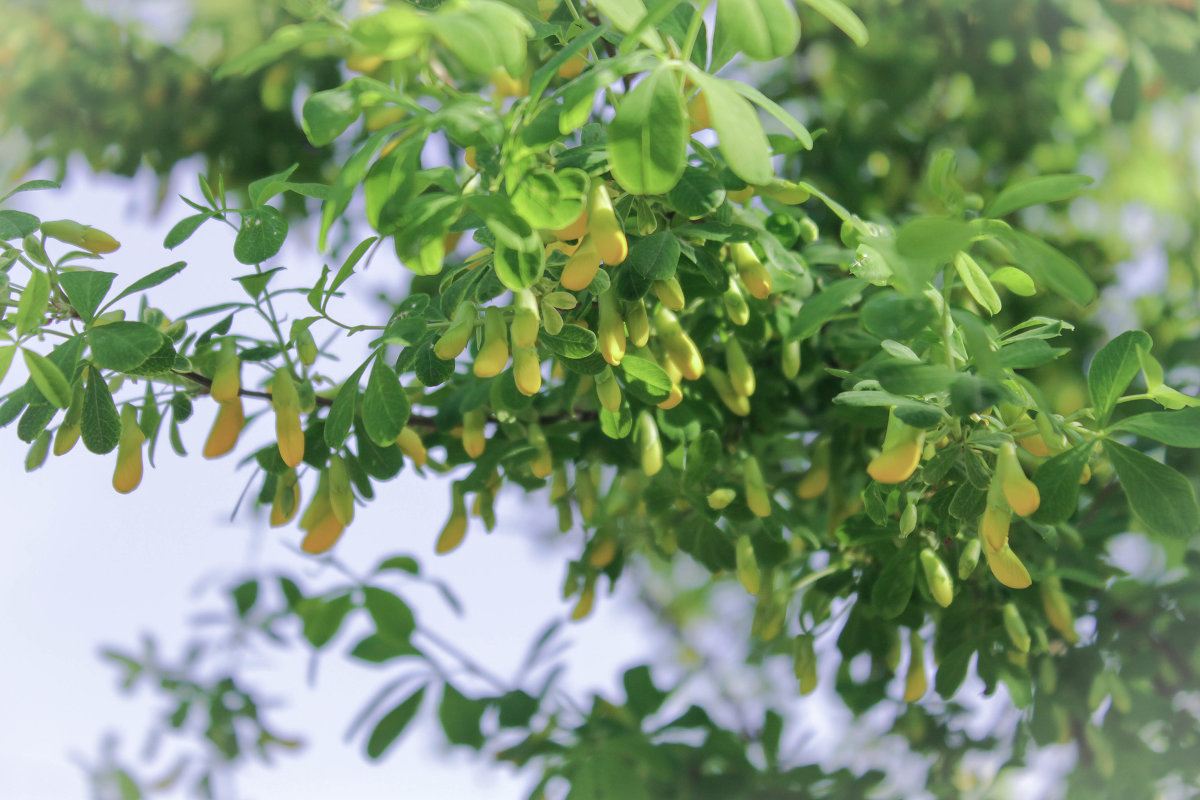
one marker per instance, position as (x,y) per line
(790,358)
(286,401)
(670,293)
(527,370)
(915,682)
(637,321)
(602,551)
(747,565)
(646,436)
(473,439)
(737,403)
(231,418)
(969,558)
(735,305)
(543,461)
(608,390)
(1057,608)
(306,347)
(604,226)
(586,599)
(341,496)
(227,378)
(993,528)
(611,332)
(901,453)
(323,534)
(581,268)
(752,272)
(698,114)
(287,499)
(678,345)
(756,489)
(1020,492)
(456,337)
(68,432)
(1014,626)
(493,356)
(720,498)
(455,531)
(91,239)
(741,374)
(128,473)
(804,662)
(409,442)
(526,320)
(937,578)
(816,480)
(586,494)
(1008,569)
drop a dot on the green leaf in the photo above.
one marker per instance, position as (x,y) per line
(645,380)
(518,270)
(655,256)
(393,618)
(341,413)
(1113,368)
(151,280)
(894,586)
(840,15)
(245,595)
(99,422)
(777,111)
(17,224)
(1161,497)
(1175,428)
(697,194)
(124,346)
(935,239)
(389,728)
(740,132)
(762,29)
(385,407)
(647,138)
(483,35)
(375,649)
(29,186)
(572,341)
(32,305)
(976,281)
(1057,481)
(1014,280)
(327,114)
(914,412)
(643,697)
(819,308)
(953,670)
(626,15)
(460,717)
(323,618)
(1035,191)
(915,379)
(6,357)
(183,230)
(548,199)
(263,232)
(48,379)
(86,289)
(263,189)
(1051,268)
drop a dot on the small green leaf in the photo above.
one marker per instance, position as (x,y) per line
(245,595)
(460,717)
(32,305)
(655,256)
(762,29)
(389,728)
(151,280)
(385,407)
(99,422)
(840,15)
(341,413)
(263,232)
(17,224)
(393,618)
(644,698)
(124,346)
(572,341)
(1035,191)
(327,114)
(1014,280)
(1175,428)
(1161,497)
(183,230)
(86,289)
(697,194)
(48,378)
(647,138)
(935,239)
(819,308)
(1113,368)
(645,380)
(976,281)
(6,357)
(518,270)
(739,130)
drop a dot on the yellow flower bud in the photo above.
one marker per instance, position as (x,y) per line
(1008,569)
(493,356)
(341,496)
(128,473)
(508,86)
(1058,609)
(756,489)
(227,378)
(473,439)
(306,347)
(742,195)
(901,453)
(670,293)
(586,598)
(698,114)
(741,374)
(804,663)
(937,578)
(527,370)
(720,498)
(673,399)
(611,332)
(646,436)
(585,494)
(679,346)
(969,558)
(737,403)
(573,67)
(455,531)
(409,442)
(323,534)
(91,239)
(526,319)
(581,267)
(735,305)
(993,528)
(816,480)
(915,682)
(602,552)
(543,461)
(637,321)
(747,565)
(576,230)
(604,226)
(456,337)
(288,431)
(608,390)
(752,272)
(287,499)
(469,158)
(68,432)
(1035,445)
(1014,626)
(231,418)
(790,358)
(1020,492)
